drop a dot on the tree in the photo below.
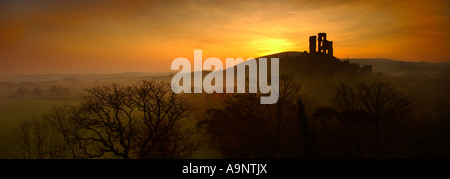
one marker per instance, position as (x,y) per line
(36,92)
(114,121)
(139,121)
(107,122)
(344,98)
(35,138)
(247,129)
(380,102)
(22,92)
(61,119)
(306,134)
(384,104)
(58,92)
(162,136)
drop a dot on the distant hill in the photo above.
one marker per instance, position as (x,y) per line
(401,68)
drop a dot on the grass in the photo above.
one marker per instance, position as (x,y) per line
(12,111)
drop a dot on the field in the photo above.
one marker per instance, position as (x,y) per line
(19,101)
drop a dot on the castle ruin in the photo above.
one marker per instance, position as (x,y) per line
(321,46)
(324,46)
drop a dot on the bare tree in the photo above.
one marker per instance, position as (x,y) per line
(344,98)
(140,121)
(35,138)
(247,129)
(62,119)
(383,103)
(22,92)
(380,102)
(36,92)
(114,121)
(162,136)
(58,92)
(106,121)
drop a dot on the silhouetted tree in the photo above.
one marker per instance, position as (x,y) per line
(344,98)
(36,92)
(376,105)
(114,121)
(61,119)
(35,139)
(247,129)
(22,92)
(58,92)
(306,133)
(107,122)
(140,121)
(162,135)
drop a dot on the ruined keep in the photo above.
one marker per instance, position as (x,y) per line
(312,44)
(321,51)
(324,46)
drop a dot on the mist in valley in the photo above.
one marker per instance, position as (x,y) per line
(326,109)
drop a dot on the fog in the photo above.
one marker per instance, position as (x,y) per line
(418,131)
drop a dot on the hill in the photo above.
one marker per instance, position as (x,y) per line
(402,68)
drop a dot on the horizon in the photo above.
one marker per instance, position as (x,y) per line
(156,73)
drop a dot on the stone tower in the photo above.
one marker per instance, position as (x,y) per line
(325,46)
(322,42)
(312,44)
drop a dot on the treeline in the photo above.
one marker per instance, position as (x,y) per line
(370,119)
(53,92)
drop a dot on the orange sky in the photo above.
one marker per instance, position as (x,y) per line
(51,36)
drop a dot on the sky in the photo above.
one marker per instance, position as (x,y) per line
(52,36)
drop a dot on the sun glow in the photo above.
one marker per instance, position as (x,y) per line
(272,45)
(86,37)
